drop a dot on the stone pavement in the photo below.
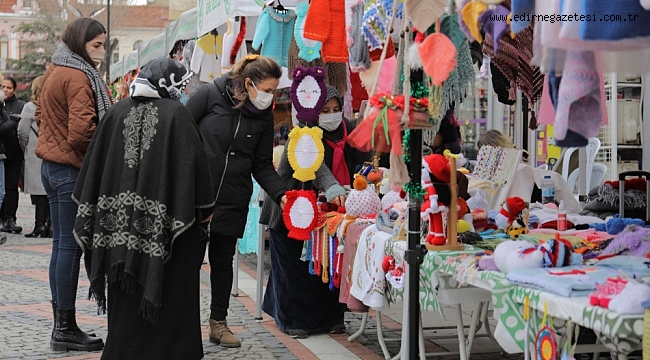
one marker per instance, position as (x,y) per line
(26,315)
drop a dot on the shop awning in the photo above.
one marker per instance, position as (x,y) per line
(183,28)
(116,70)
(213,13)
(130,61)
(152,49)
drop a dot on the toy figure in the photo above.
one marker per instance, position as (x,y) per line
(435,181)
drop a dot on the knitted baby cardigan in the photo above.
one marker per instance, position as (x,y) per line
(326,23)
(274,31)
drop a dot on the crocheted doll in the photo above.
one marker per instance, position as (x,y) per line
(308,93)
(512,208)
(435,180)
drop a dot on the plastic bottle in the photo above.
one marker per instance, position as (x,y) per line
(561,217)
(548,190)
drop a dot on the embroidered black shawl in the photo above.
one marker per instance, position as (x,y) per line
(143,180)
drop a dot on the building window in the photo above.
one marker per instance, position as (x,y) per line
(116,57)
(4,47)
(135,44)
(24,50)
(27,3)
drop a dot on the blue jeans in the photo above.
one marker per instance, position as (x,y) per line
(59,181)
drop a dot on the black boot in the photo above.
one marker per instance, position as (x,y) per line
(68,336)
(40,230)
(54,307)
(11,227)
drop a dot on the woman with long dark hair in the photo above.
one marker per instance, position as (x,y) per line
(73,100)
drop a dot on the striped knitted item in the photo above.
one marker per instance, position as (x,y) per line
(357,43)
(578,107)
(624,28)
(374,25)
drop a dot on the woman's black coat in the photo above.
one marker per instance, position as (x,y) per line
(237,146)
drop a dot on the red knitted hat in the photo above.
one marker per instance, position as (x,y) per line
(512,207)
(438,166)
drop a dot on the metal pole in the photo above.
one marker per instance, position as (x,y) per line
(415,253)
(260,265)
(109,53)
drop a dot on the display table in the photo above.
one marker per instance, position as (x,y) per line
(619,333)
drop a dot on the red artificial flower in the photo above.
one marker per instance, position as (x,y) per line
(424,102)
(377,101)
(398,101)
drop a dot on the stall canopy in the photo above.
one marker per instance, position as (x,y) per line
(183,28)
(213,13)
(152,49)
(116,70)
(130,61)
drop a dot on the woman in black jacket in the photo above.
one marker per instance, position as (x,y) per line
(235,117)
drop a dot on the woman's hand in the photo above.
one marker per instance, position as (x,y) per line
(339,201)
(283,201)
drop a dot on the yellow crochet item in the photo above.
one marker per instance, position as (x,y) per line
(305,152)
(470,13)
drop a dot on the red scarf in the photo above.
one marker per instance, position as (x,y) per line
(339,166)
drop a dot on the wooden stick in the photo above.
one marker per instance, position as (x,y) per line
(452,216)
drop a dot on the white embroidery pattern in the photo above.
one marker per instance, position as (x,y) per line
(139,131)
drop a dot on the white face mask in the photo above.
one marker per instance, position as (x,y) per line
(330,122)
(263,100)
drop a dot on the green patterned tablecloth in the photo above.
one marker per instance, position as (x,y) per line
(620,333)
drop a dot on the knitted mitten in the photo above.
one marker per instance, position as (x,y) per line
(578,107)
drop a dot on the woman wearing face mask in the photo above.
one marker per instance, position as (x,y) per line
(301,303)
(340,158)
(235,116)
(74,98)
(150,146)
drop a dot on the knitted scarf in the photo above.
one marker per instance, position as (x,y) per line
(339,166)
(63,56)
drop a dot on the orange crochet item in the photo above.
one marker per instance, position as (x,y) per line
(438,54)
(325,22)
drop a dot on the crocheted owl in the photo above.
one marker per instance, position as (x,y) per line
(308,93)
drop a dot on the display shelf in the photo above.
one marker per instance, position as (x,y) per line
(625,123)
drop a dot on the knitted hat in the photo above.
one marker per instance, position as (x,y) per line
(333,93)
(496,28)
(560,251)
(470,13)
(438,166)
(438,54)
(513,207)
(308,92)
(423,13)
(362,200)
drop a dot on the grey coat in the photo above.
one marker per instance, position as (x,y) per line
(271,214)
(27,135)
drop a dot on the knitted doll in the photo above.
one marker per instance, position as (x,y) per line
(435,180)
(509,212)
(308,93)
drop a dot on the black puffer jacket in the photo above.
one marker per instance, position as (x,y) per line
(7,124)
(13,150)
(237,146)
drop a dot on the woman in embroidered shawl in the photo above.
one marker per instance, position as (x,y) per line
(300,302)
(145,196)
(73,99)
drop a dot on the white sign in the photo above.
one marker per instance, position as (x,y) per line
(152,49)
(213,13)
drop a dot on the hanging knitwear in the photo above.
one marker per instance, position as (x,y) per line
(274,32)
(614,30)
(359,54)
(326,23)
(359,93)
(309,50)
(463,26)
(374,24)
(522,11)
(336,72)
(496,28)
(578,115)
